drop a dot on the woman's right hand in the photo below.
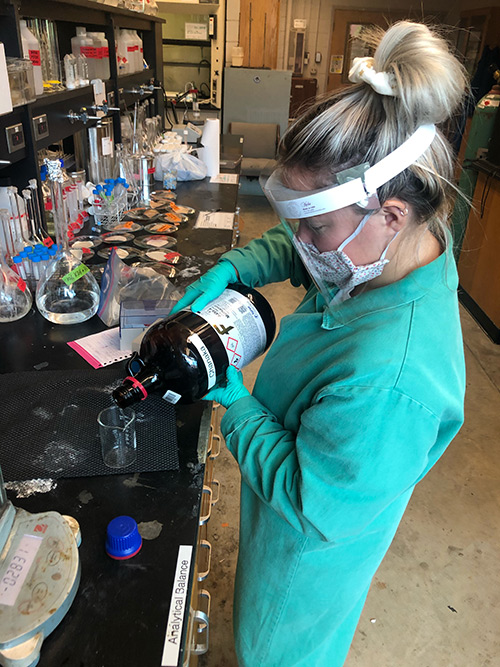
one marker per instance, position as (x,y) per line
(208,287)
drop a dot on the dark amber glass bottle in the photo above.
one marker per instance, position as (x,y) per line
(185,355)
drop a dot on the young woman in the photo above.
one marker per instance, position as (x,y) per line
(363,388)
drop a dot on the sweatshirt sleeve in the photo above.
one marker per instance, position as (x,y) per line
(270,259)
(357,450)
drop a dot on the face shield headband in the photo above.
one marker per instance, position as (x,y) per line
(362,190)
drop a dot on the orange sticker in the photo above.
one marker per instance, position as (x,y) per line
(172,217)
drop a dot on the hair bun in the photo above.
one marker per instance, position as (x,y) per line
(429,78)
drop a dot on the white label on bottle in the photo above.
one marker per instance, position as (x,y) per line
(206,356)
(171,396)
(239,325)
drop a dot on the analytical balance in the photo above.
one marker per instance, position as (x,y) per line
(39,577)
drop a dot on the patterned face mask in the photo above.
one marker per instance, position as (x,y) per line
(335,268)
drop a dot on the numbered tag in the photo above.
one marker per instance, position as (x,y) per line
(76,274)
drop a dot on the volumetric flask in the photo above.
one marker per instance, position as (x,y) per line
(117,433)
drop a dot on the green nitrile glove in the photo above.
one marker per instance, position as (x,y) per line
(208,287)
(232,392)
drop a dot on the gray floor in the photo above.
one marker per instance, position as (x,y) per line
(434,600)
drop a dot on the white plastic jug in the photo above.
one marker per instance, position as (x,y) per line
(31,51)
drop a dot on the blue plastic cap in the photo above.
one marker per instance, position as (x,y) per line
(17,259)
(122,538)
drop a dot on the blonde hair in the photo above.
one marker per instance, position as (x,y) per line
(357,125)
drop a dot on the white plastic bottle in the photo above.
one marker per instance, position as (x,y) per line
(105,56)
(133,50)
(31,51)
(125,53)
(83,45)
(139,52)
(97,42)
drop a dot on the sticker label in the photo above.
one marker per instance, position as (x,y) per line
(178,604)
(239,325)
(171,396)
(76,274)
(88,51)
(35,58)
(206,356)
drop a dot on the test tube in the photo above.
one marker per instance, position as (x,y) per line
(19,267)
(33,185)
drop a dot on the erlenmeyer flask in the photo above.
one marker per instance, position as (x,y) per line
(67,292)
(15,297)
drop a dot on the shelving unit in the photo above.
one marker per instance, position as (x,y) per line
(67,14)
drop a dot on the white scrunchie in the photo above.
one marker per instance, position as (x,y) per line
(362,72)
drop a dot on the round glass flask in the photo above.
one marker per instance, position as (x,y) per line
(67,292)
(15,296)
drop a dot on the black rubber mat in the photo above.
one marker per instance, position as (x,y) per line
(48,425)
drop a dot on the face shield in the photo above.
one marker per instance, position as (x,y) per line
(357,185)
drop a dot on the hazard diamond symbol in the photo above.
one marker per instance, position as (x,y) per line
(235,361)
(231,344)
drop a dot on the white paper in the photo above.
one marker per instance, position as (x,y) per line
(214,220)
(195,31)
(101,349)
(225,178)
(158,243)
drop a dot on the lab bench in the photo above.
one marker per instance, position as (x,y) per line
(121,609)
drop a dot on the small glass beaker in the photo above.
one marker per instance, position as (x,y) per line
(117,433)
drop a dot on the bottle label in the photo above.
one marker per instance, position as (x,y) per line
(34,56)
(195,340)
(239,325)
(88,51)
(171,397)
(105,52)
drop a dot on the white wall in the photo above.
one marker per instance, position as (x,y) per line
(232,26)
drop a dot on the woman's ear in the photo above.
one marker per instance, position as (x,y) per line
(395,212)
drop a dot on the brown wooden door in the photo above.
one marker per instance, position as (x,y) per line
(258,32)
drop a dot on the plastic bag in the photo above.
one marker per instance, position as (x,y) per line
(189,167)
(121,282)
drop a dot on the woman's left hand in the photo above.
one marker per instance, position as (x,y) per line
(231,392)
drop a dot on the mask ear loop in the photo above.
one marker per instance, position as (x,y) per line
(357,231)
